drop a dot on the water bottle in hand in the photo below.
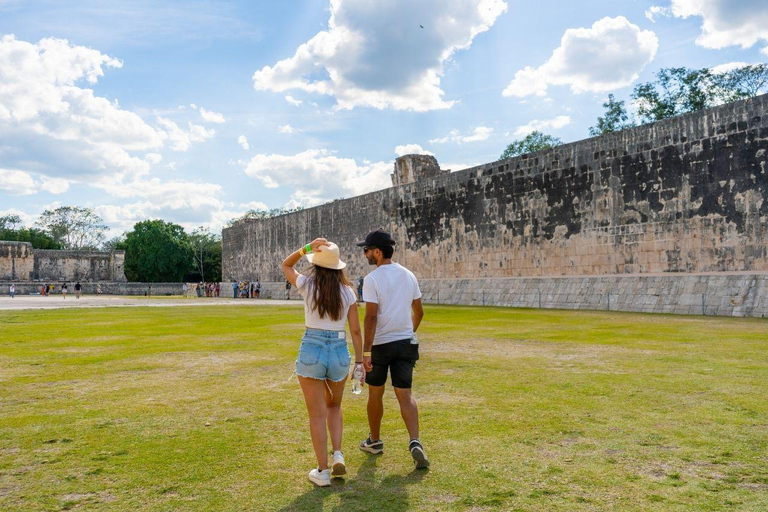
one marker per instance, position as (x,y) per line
(357,379)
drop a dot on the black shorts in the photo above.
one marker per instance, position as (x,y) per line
(399,357)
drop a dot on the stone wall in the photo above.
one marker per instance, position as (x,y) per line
(18,261)
(93,288)
(684,195)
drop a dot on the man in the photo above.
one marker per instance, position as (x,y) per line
(78,289)
(12,290)
(393,313)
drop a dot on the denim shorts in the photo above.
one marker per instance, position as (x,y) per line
(323,355)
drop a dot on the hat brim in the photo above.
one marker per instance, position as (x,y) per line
(361,244)
(340,265)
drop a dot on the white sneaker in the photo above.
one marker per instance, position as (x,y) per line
(338,467)
(320,478)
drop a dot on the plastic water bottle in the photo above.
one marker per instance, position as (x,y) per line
(357,379)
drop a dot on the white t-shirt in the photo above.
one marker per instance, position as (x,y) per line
(394,288)
(312,317)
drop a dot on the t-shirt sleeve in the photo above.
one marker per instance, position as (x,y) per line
(370,293)
(301,284)
(349,298)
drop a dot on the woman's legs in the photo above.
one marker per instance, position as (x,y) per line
(334,416)
(314,397)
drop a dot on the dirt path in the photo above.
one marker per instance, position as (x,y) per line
(102,301)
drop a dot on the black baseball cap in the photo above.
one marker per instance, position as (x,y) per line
(377,238)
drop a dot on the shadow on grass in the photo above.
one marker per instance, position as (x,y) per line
(361,493)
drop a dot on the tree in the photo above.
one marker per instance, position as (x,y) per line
(12,231)
(157,251)
(264,214)
(534,141)
(9,222)
(615,119)
(681,90)
(73,227)
(743,82)
(207,254)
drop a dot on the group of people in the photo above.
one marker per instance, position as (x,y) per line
(48,289)
(246,289)
(386,345)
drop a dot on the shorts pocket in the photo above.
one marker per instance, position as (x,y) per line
(309,354)
(343,357)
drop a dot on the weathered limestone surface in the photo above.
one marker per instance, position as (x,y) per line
(106,287)
(685,195)
(18,261)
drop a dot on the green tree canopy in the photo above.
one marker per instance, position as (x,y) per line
(615,119)
(11,230)
(534,141)
(157,251)
(207,254)
(678,91)
(73,227)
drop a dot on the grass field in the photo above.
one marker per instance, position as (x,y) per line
(192,409)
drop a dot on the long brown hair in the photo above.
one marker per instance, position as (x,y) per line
(326,292)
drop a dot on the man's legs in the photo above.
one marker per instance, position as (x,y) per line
(375,410)
(409,411)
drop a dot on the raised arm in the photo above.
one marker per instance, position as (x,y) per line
(295,256)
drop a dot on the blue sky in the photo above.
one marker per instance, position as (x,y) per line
(195,112)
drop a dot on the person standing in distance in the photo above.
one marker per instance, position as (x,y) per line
(393,313)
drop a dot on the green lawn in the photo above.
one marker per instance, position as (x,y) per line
(192,409)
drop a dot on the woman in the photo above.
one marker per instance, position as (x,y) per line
(323,362)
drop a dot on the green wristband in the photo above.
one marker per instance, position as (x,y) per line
(307,248)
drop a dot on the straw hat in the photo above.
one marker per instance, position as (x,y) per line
(328,257)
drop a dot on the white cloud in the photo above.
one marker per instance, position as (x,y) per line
(655,12)
(57,127)
(543,125)
(243,142)
(411,149)
(726,22)
(375,54)
(211,117)
(254,205)
(729,66)
(605,57)
(478,134)
(182,140)
(288,129)
(17,183)
(54,185)
(22,183)
(317,175)
(290,99)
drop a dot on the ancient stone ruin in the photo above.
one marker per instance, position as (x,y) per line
(665,217)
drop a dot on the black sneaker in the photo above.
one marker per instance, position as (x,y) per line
(419,456)
(371,446)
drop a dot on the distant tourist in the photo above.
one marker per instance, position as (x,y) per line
(234,289)
(184,289)
(360,288)
(287,290)
(217,289)
(12,290)
(258,288)
(98,289)
(323,361)
(44,290)
(78,289)
(64,290)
